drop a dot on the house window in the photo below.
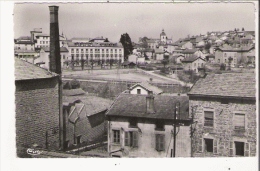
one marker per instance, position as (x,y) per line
(138,91)
(208,118)
(208,145)
(78,139)
(239,148)
(225,54)
(159,142)
(239,121)
(116,136)
(131,138)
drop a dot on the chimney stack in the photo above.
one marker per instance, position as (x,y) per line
(55,59)
(55,66)
(150,104)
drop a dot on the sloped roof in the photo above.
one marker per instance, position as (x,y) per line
(28,71)
(148,86)
(236,49)
(73,92)
(189,51)
(132,105)
(158,51)
(76,112)
(92,104)
(226,84)
(191,59)
(62,49)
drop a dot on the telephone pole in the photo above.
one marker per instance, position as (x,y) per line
(176,113)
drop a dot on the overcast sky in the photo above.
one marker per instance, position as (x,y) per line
(137,19)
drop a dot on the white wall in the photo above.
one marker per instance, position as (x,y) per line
(143,91)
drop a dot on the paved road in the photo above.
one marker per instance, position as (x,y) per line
(166,78)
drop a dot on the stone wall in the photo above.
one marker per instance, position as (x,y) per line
(37,112)
(223,131)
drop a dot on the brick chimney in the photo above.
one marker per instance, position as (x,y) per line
(150,104)
(55,59)
(55,66)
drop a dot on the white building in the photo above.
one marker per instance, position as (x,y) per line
(44,58)
(96,49)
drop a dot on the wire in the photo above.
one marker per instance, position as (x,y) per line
(169,145)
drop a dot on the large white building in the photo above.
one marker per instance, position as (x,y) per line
(96,49)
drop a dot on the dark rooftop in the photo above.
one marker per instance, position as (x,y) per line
(226,84)
(132,105)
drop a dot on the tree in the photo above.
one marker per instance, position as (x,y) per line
(207,46)
(222,66)
(229,63)
(106,40)
(243,29)
(82,63)
(127,44)
(164,62)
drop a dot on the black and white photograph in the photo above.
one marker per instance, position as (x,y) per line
(135,80)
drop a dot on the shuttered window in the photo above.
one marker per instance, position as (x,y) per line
(131,139)
(208,118)
(239,121)
(160,143)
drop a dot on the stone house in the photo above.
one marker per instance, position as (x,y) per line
(193,63)
(224,110)
(142,126)
(37,107)
(238,54)
(84,118)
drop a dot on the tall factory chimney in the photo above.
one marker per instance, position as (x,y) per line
(55,66)
(55,59)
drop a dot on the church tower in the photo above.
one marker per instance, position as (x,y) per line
(163,36)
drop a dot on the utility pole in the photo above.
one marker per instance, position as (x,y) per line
(176,112)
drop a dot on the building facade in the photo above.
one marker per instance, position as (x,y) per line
(96,50)
(142,126)
(224,111)
(37,107)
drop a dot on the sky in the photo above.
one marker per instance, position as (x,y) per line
(110,20)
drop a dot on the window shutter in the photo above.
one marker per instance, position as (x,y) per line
(201,145)
(135,139)
(215,146)
(247,149)
(126,138)
(231,148)
(157,141)
(239,121)
(162,143)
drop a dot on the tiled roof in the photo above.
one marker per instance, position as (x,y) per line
(28,71)
(92,104)
(158,51)
(24,51)
(189,51)
(226,84)
(191,59)
(24,42)
(236,49)
(73,92)
(62,49)
(148,86)
(132,105)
